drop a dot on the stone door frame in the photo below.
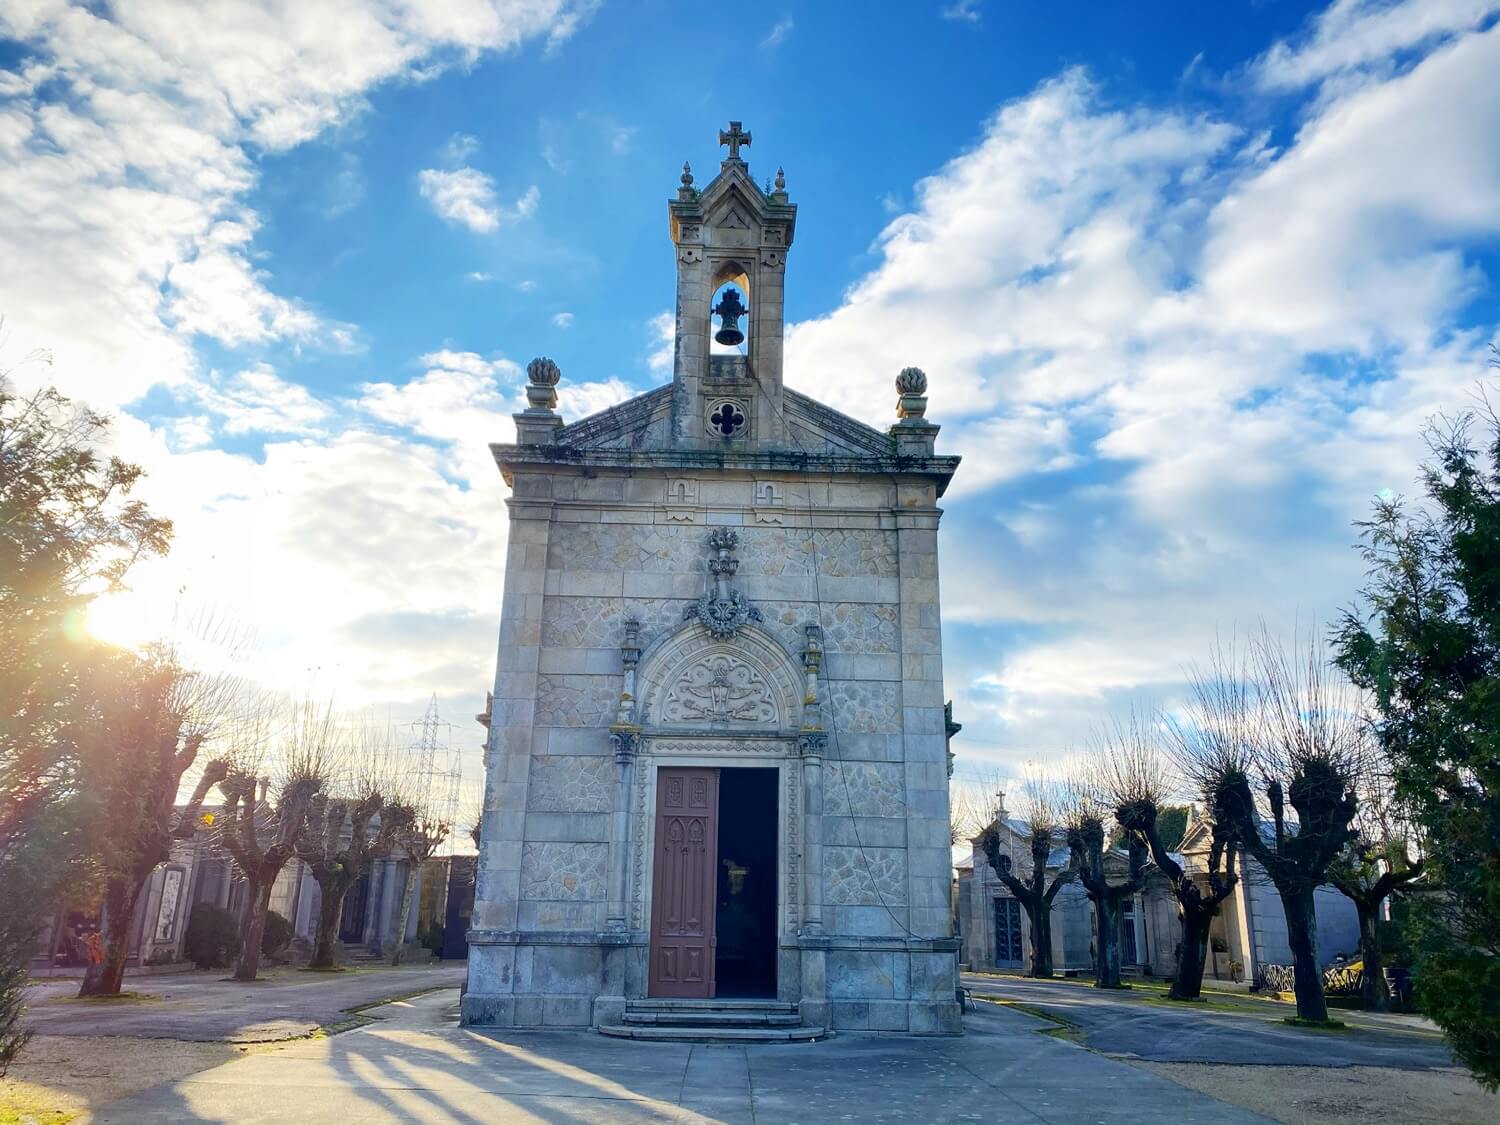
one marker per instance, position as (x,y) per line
(723,752)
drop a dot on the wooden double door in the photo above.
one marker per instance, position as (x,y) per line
(684,883)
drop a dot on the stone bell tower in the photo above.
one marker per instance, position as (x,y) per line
(730,232)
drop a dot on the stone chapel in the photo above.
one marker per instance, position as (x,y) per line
(717,788)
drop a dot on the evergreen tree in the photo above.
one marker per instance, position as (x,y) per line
(1425,641)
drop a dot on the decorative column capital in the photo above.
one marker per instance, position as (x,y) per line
(812,744)
(625,738)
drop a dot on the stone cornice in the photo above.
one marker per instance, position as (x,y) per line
(511,457)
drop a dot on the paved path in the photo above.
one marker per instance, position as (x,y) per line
(1139,1024)
(418,1066)
(203,1006)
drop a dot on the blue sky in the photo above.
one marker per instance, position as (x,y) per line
(1186,280)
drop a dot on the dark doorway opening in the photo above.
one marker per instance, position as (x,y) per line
(745,920)
(356,901)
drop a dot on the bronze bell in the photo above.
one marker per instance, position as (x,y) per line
(729,310)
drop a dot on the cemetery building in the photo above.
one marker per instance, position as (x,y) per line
(717,770)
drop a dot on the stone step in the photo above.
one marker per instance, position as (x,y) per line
(666,1004)
(716,1034)
(723,1017)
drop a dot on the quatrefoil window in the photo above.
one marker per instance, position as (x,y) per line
(726,418)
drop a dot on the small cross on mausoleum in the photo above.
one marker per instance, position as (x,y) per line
(734,138)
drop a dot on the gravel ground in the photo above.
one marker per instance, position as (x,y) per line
(1313,1095)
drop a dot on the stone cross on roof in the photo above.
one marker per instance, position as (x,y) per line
(734,138)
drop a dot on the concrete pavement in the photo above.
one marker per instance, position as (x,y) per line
(204,1006)
(417,1065)
(1139,1024)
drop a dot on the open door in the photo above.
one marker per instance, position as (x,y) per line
(684,883)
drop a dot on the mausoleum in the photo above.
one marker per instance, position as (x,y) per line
(717,770)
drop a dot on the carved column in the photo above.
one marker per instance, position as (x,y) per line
(624,738)
(624,735)
(812,743)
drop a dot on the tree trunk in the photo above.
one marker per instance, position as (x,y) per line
(106,977)
(1040,916)
(330,909)
(406,893)
(1374,993)
(251,931)
(1188,984)
(1302,936)
(1107,957)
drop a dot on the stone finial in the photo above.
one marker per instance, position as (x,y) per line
(781,179)
(539,422)
(911,381)
(913,433)
(686,191)
(911,386)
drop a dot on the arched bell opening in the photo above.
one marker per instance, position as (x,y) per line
(729,311)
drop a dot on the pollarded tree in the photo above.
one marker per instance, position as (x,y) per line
(150,728)
(1135,780)
(1380,861)
(1042,818)
(338,858)
(1085,816)
(1280,728)
(259,835)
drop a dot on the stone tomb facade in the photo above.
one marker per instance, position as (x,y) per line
(717,762)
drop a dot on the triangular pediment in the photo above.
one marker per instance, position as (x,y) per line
(644,422)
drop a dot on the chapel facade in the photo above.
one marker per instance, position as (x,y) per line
(717,764)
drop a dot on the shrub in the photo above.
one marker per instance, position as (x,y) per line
(277,935)
(213,937)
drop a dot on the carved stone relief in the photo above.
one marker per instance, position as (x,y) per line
(720,692)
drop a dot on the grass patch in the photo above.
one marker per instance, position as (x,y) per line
(117,998)
(324,969)
(20,1112)
(1316,1025)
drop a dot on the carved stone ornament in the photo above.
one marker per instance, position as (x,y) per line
(722,617)
(722,610)
(720,691)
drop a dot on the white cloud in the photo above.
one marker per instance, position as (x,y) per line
(464,196)
(1178,363)
(123,223)
(778,33)
(579,400)
(563,320)
(965,11)
(1351,34)
(479,276)
(663,334)
(461,148)
(258,400)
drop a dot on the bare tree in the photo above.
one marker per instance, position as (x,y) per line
(1280,727)
(1135,779)
(336,860)
(1085,815)
(154,719)
(259,835)
(1382,859)
(1042,816)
